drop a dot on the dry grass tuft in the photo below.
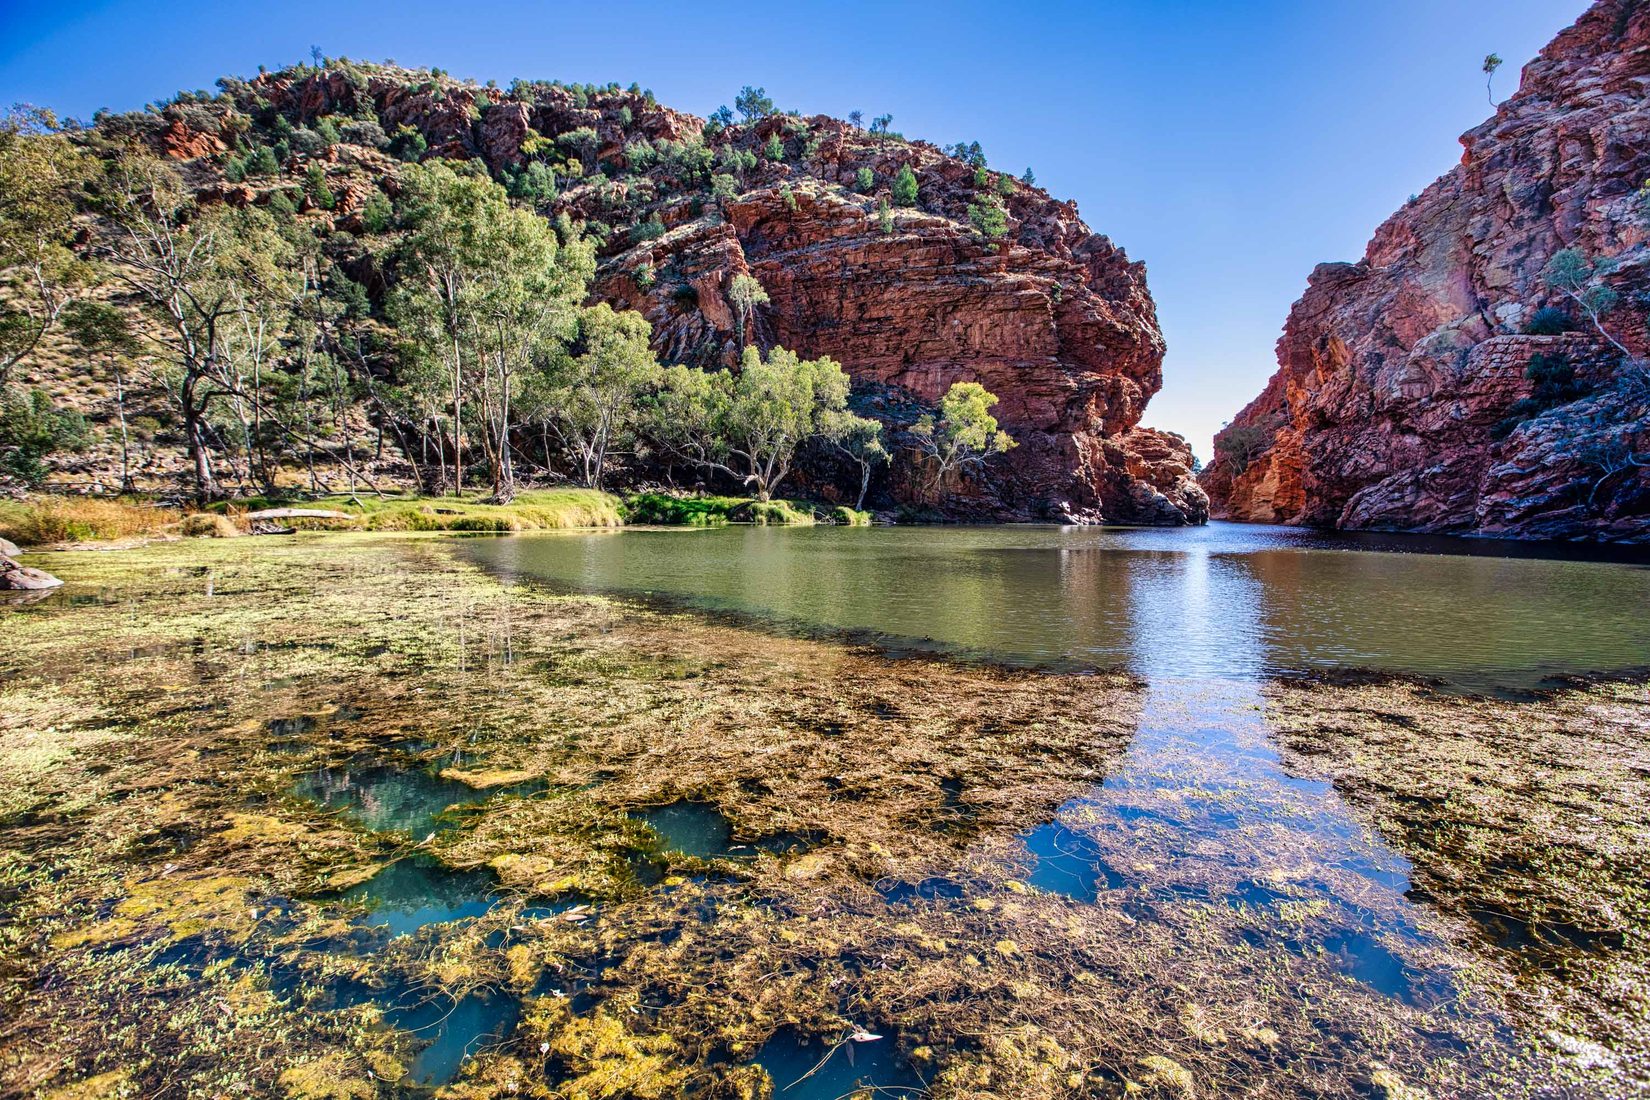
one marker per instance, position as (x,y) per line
(42,521)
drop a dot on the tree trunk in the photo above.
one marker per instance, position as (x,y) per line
(206,486)
(125,443)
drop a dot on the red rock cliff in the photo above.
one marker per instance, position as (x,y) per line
(1404,398)
(1054,319)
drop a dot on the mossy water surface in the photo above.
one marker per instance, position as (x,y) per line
(678,857)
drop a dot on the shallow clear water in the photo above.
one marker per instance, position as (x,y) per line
(387,797)
(453,1032)
(818,1071)
(1228,600)
(1204,616)
(413,892)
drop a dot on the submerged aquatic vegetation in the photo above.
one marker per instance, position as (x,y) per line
(672,856)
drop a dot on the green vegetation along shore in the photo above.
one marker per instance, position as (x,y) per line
(50,520)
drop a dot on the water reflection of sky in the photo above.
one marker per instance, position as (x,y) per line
(1226,600)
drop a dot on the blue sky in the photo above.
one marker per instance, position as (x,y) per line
(1230,145)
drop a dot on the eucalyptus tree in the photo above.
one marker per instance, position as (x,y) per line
(859,439)
(105,332)
(965,433)
(196,276)
(485,287)
(749,425)
(41,172)
(591,396)
(746,293)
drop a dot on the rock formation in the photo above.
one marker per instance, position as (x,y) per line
(1405,396)
(1053,318)
(17,577)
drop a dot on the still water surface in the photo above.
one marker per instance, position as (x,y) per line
(1227,600)
(1203,615)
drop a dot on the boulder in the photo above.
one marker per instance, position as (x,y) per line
(17,577)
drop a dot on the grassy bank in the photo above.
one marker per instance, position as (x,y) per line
(41,521)
(715,511)
(53,520)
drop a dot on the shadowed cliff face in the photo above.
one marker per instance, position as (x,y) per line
(1053,318)
(1403,398)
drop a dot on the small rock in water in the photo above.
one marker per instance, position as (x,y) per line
(17,577)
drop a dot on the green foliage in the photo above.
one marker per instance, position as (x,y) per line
(582,143)
(724,186)
(1029,179)
(1240,445)
(327,131)
(376,212)
(488,291)
(859,439)
(408,144)
(749,425)
(649,230)
(885,216)
(965,433)
(364,132)
(753,103)
(865,181)
(905,186)
(1548,321)
(774,150)
(535,184)
(41,177)
(33,427)
(531,510)
(843,516)
(988,218)
(667,510)
(746,293)
(594,395)
(260,163)
(789,196)
(982,177)
(1572,273)
(1005,185)
(315,185)
(970,154)
(1553,383)
(307,142)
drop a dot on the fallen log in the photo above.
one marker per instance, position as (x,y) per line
(297,513)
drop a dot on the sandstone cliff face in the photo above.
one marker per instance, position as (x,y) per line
(1395,401)
(1054,319)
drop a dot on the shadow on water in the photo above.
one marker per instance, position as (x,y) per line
(803,1070)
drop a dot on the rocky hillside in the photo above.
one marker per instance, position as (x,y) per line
(1051,317)
(1453,379)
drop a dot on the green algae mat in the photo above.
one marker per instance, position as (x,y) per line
(349,816)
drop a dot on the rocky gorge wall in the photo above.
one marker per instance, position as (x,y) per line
(1403,398)
(1053,318)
